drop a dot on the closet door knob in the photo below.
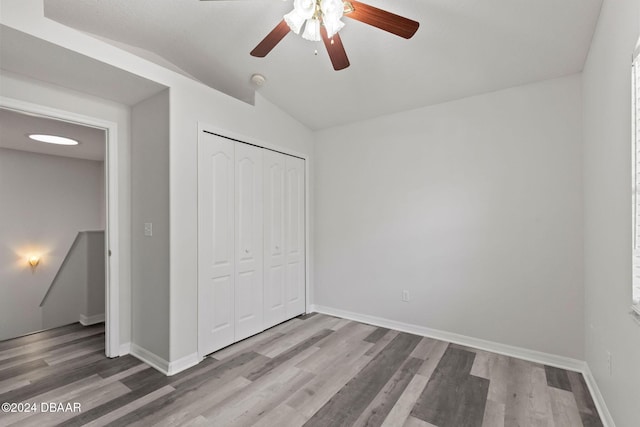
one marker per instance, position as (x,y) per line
(246,251)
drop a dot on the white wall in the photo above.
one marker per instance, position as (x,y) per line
(150,204)
(191,102)
(44,202)
(33,91)
(607,210)
(473,206)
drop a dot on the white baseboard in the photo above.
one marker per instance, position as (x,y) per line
(155,361)
(605,415)
(494,347)
(149,358)
(183,363)
(91,320)
(491,346)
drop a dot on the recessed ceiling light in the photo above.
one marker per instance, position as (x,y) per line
(53,139)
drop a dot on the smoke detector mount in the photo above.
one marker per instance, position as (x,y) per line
(258,79)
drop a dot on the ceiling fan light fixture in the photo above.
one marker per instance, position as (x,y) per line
(294,20)
(332,26)
(332,11)
(314,13)
(312,30)
(305,8)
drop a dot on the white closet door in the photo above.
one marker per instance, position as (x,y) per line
(215,243)
(294,237)
(274,241)
(249,241)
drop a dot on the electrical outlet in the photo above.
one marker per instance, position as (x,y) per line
(148,229)
(405,295)
(609,363)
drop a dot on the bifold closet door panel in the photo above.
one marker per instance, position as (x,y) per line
(294,236)
(216,251)
(274,240)
(249,241)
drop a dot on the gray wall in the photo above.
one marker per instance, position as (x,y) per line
(45,200)
(150,203)
(66,296)
(473,206)
(94,302)
(79,288)
(607,210)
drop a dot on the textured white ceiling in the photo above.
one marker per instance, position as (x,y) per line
(463,48)
(15,126)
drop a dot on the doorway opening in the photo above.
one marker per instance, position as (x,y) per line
(59,223)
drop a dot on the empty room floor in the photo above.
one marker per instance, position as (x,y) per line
(314,370)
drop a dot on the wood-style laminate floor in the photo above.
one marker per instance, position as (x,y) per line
(314,370)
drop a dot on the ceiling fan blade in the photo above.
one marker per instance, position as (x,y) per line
(382,19)
(335,49)
(271,40)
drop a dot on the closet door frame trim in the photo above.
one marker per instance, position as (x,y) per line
(234,136)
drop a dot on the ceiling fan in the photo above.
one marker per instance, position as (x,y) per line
(321,20)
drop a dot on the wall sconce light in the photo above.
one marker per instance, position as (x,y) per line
(34,260)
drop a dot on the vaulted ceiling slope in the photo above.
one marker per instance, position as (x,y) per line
(462,48)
